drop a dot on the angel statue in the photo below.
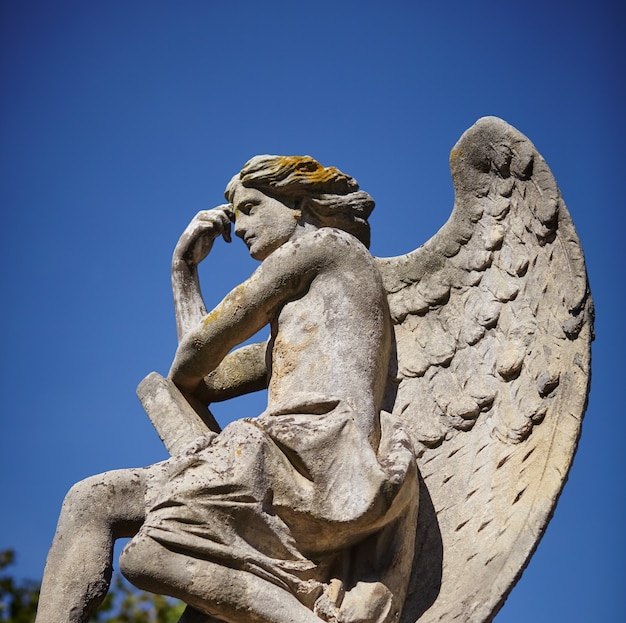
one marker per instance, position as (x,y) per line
(422,411)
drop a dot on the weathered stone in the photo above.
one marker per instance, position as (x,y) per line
(315,510)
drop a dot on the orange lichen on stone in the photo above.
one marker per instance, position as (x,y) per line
(310,169)
(233,300)
(211,317)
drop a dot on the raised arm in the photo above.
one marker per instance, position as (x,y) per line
(193,246)
(242,371)
(287,272)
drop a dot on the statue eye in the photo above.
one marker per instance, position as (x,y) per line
(247,208)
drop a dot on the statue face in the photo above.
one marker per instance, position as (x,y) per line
(264,223)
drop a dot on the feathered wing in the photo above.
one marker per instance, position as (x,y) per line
(493,323)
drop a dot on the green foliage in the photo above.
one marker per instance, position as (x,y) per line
(126,604)
(18,601)
(123,604)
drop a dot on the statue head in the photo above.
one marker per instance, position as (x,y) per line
(330,196)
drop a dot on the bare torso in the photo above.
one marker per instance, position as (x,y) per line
(323,296)
(332,338)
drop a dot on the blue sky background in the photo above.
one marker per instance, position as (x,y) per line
(120,120)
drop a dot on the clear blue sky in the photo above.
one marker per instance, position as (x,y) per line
(119,120)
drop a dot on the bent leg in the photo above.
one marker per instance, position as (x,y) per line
(95,512)
(230,595)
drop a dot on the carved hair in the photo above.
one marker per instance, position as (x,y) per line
(327,193)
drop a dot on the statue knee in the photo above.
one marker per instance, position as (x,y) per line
(83,498)
(150,566)
(112,500)
(133,559)
(141,562)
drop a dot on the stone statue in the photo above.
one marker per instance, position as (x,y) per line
(422,413)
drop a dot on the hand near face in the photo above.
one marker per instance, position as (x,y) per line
(197,239)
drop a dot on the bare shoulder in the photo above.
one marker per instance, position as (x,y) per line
(334,237)
(291,268)
(325,246)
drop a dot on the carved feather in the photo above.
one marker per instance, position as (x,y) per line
(493,329)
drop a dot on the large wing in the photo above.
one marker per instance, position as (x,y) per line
(493,323)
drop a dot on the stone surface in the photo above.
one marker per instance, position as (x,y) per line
(176,422)
(422,411)
(493,330)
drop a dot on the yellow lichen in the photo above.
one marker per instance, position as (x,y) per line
(315,173)
(211,317)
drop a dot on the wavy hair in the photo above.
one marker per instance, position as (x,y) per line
(327,193)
